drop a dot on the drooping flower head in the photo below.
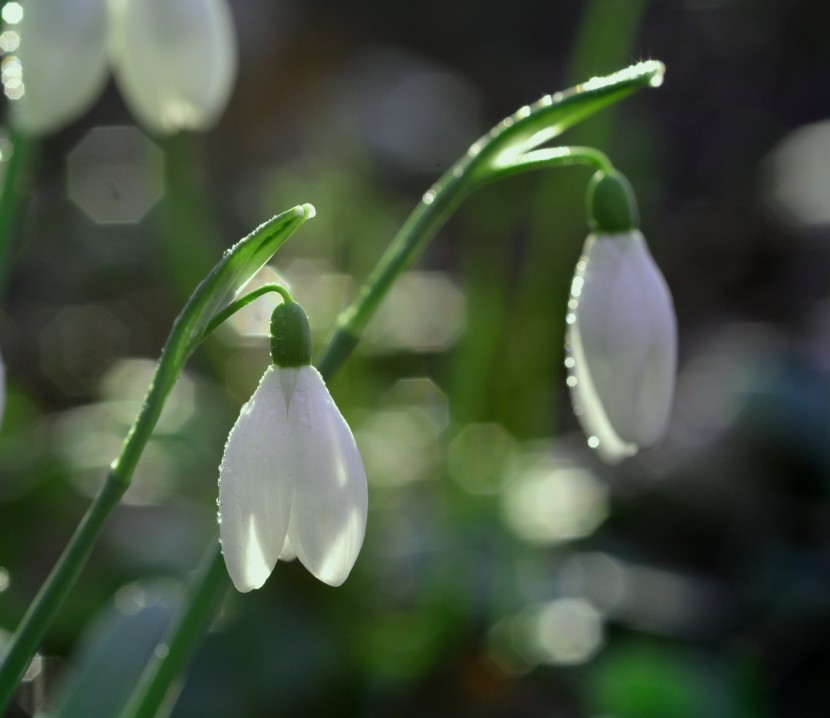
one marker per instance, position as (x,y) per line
(291,481)
(621,335)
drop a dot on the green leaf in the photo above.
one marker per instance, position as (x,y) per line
(210,298)
(114,650)
(533,125)
(239,264)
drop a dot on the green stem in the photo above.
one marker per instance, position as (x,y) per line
(426,219)
(23,153)
(187,217)
(53,593)
(209,298)
(190,623)
(556,157)
(244,302)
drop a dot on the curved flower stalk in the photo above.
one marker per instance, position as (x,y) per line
(175,62)
(291,481)
(622,334)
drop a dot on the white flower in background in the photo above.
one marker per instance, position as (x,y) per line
(175,61)
(291,481)
(621,335)
(60,65)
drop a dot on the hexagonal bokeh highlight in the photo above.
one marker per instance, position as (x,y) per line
(424,312)
(115,175)
(479,456)
(548,500)
(423,395)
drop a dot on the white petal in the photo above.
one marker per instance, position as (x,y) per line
(63,62)
(625,329)
(256,486)
(328,514)
(175,61)
(588,406)
(288,553)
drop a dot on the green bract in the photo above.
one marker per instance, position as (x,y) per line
(290,336)
(612,206)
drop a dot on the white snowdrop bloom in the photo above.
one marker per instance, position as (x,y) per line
(622,341)
(62,58)
(621,329)
(174,60)
(291,481)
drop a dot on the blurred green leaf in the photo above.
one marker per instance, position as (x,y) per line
(115,649)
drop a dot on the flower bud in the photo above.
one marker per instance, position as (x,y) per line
(622,345)
(612,205)
(290,336)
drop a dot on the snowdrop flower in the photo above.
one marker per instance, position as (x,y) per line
(291,481)
(60,65)
(174,61)
(621,334)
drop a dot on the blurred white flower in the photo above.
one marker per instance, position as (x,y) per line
(62,56)
(291,482)
(622,345)
(175,61)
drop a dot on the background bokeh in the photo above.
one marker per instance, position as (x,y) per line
(506,571)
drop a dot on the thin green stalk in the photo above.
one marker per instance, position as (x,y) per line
(23,153)
(186,216)
(234,307)
(190,623)
(53,593)
(556,157)
(211,297)
(433,210)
